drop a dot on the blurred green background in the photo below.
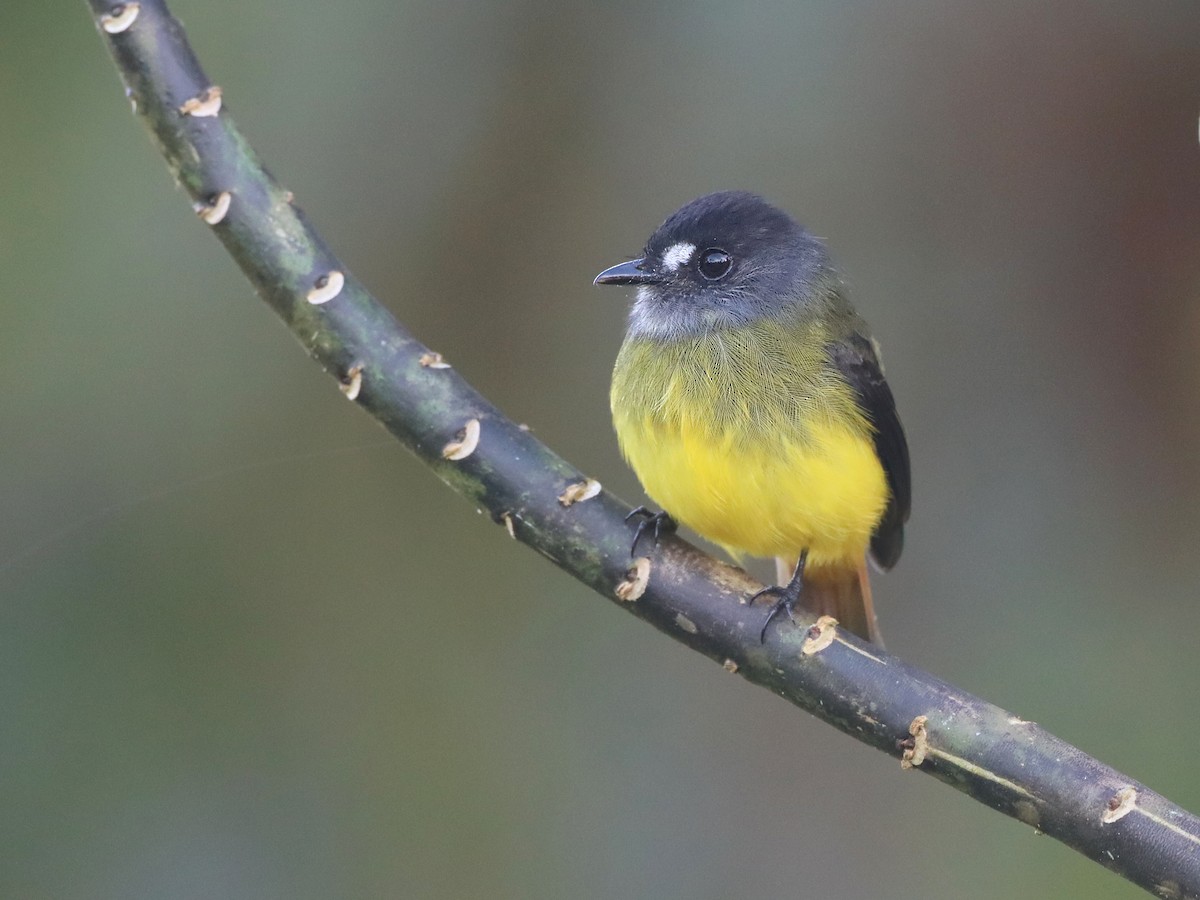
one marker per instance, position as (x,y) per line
(228,601)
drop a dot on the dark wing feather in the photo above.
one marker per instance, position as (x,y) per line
(856,359)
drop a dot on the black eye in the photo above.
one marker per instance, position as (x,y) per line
(714,263)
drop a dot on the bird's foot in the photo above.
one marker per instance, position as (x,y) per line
(788,594)
(659,523)
(786,603)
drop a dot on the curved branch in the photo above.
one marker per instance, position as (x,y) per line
(997,758)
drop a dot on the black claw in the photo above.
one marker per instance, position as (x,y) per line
(786,602)
(789,596)
(660,522)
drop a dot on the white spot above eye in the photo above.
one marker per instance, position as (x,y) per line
(677,255)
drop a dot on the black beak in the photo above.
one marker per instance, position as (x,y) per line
(628,273)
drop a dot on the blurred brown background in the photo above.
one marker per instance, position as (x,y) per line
(251,648)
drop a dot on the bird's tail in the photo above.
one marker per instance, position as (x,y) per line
(838,591)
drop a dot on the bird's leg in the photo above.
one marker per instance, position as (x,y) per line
(789,595)
(660,522)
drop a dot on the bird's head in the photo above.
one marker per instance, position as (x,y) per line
(723,260)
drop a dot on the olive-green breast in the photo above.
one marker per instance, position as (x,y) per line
(766,379)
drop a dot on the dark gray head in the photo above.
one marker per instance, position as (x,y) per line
(725,259)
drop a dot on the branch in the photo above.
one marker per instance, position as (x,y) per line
(541,500)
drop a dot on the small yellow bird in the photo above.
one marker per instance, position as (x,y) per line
(749,399)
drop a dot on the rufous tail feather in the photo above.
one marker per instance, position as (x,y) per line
(841,592)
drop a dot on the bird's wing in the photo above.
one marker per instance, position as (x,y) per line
(856,359)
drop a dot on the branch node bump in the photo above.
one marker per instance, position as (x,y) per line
(636,579)
(1120,804)
(916,747)
(326,287)
(120,17)
(464,443)
(579,491)
(207,103)
(352,385)
(729,666)
(819,636)
(1028,813)
(686,624)
(432,360)
(214,211)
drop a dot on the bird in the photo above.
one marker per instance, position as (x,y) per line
(749,399)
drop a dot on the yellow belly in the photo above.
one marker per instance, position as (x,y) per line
(772,469)
(767,499)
